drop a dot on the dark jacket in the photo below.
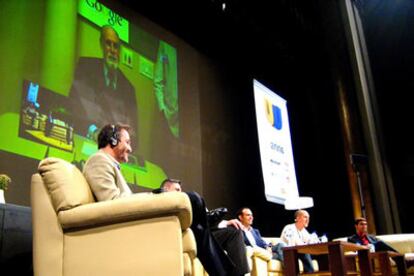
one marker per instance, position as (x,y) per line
(378,244)
(257,237)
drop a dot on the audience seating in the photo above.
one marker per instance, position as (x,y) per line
(144,234)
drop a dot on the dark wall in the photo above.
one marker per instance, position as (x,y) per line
(388,29)
(232,172)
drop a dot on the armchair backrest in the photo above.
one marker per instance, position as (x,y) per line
(65,183)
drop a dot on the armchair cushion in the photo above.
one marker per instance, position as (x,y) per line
(403,243)
(65,183)
(261,253)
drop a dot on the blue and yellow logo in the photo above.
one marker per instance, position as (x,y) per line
(273,114)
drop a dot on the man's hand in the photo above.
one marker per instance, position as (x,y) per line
(269,249)
(235,223)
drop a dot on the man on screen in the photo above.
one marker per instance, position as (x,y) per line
(100,92)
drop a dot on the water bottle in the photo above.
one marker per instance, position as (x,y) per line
(314,238)
(371,247)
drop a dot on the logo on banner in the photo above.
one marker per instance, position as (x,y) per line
(273,114)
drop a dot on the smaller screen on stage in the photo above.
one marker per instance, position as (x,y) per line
(275,145)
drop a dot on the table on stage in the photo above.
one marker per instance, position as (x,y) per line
(385,262)
(335,251)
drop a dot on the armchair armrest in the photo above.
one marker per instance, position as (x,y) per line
(261,253)
(135,207)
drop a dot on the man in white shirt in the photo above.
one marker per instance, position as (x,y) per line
(296,234)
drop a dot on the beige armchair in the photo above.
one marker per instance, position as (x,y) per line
(144,234)
(263,264)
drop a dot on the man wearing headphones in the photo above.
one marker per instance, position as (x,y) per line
(102,170)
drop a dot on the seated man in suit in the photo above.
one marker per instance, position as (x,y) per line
(213,242)
(363,238)
(252,235)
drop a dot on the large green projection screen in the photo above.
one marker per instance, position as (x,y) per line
(62,78)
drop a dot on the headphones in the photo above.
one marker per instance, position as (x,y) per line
(114,137)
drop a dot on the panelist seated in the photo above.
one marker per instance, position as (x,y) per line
(296,234)
(253,238)
(363,238)
(220,247)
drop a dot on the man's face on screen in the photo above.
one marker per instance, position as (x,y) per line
(123,148)
(110,45)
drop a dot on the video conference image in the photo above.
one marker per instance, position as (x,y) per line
(78,67)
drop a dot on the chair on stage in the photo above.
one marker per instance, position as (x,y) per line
(145,234)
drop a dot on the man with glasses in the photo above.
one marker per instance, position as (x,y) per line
(100,92)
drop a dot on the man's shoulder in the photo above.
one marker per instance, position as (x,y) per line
(98,157)
(372,237)
(289,226)
(85,66)
(287,230)
(256,230)
(353,238)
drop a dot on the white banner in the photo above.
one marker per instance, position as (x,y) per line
(276,153)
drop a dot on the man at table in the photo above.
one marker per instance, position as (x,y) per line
(296,234)
(363,238)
